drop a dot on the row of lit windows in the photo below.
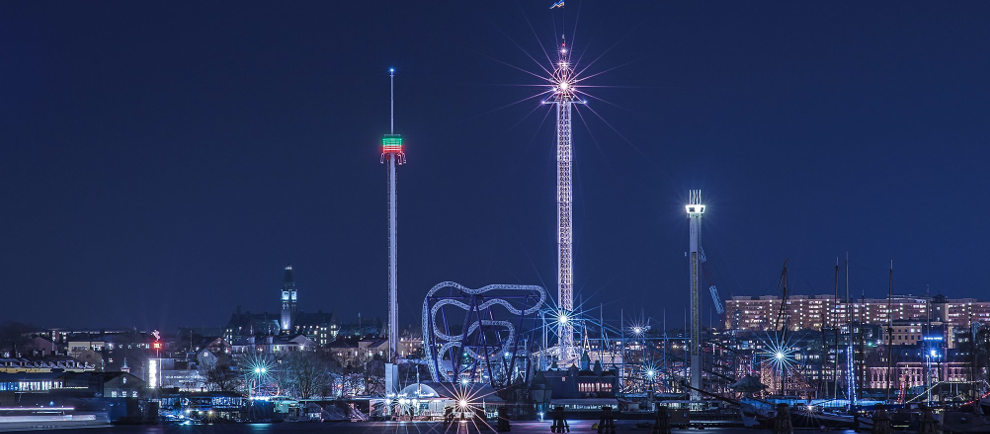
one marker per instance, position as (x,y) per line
(594,387)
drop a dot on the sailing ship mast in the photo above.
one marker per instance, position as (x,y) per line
(890,327)
(835,326)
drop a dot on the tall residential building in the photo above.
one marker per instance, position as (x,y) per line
(817,311)
(288,300)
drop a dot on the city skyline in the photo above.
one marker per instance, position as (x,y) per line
(165,178)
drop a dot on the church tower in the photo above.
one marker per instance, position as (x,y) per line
(288,300)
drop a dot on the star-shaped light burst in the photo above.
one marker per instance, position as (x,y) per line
(469,397)
(563,79)
(778,353)
(257,371)
(652,375)
(556,316)
(638,329)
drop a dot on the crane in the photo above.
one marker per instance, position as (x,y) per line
(715,298)
(718,302)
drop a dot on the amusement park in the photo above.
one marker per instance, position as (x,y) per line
(559,283)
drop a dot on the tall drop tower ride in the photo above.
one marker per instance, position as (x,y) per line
(694,210)
(392,155)
(564,95)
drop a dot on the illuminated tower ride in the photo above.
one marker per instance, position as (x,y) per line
(694,210)
(564,95)
(393,155)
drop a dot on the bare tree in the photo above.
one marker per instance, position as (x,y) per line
(222,377)
(13,336)
(374,378)
(307,374)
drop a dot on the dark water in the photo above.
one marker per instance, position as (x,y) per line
(578,427)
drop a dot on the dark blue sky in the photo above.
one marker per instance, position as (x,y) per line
(161,163)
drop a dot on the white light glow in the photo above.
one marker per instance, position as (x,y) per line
(152,373)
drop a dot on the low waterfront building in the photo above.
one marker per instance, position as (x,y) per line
(85,384)
(44,365)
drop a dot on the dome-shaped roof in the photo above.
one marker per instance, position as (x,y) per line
(418,390)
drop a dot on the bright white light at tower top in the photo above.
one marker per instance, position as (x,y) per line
(562,78)
(695,209)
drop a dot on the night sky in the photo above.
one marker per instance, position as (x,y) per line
(162,162)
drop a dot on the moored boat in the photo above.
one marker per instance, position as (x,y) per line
(48,418)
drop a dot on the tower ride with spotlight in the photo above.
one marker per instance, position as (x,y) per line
(695,209)
(392,155)
(563,96)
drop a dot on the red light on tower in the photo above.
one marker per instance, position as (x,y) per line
(157,345)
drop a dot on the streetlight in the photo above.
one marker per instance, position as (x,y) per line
(259,371)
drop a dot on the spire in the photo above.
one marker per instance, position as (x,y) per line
(288,296)
(289,281)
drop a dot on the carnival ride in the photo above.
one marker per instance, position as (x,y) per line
(483,334)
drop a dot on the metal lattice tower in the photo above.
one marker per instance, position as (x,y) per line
(392,154)
(694,210)
(564,95)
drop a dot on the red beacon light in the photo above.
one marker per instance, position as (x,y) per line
(157,345)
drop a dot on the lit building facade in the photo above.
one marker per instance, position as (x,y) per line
(248,328)
(817,311)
